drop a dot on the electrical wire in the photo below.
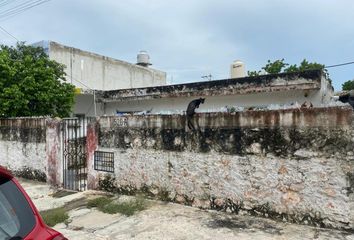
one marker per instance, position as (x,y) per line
(6,2)
(5,31)
(94,94)
(16,6)
(11,12)
(21,7)
(339,65)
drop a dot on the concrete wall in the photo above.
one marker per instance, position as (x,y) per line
(22,146)
(272,91)
(30,148)
(84,105)
(93,71)
(291,165)
(215,103)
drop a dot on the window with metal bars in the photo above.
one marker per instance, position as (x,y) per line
(104,161)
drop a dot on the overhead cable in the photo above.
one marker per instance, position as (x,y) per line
(339,65)
(5,31)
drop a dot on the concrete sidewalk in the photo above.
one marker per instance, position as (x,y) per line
(168,221)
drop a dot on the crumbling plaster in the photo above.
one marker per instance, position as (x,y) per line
(294,165)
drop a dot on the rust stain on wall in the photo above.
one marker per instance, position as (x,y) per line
(53,151)
(91,147)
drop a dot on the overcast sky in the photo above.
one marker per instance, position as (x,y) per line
(191,38)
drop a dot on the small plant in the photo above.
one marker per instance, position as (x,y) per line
(54,216)
(99,202)
(106,205)
(253,73)
(125,208)
(275,67)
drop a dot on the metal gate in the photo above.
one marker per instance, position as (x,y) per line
(74,153)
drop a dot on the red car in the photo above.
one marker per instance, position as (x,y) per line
(19,218)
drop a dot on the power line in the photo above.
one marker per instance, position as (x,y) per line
(20,8)
(338,65)
(6,2)
(14,7)
(5,31)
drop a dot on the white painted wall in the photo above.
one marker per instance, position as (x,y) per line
(92,71)
(16,155)
(215,103)
(84,105)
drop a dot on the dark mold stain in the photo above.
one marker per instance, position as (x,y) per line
(350,179)
(27,130)
(31,174)
(169,137)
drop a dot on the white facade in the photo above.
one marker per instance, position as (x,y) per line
(283,91)
(90,71)
(215,103)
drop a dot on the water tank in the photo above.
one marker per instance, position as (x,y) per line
(143,59)
(237,69)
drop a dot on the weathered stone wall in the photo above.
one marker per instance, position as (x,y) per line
(295,165)
(30,148)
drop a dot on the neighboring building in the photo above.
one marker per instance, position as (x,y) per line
(90,71)
(271,91)
(108,86)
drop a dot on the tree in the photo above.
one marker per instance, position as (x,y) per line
(31,84)
(348,85)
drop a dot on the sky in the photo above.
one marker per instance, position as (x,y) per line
(192,38)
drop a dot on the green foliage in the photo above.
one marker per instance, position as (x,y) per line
(106,205)
(305,65)
(348,85)
(31,84)
(54,216)
(279,66)
(99,202)
(253,73)
(291,68)
(275,67)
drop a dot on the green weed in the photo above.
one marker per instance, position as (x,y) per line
(54,216)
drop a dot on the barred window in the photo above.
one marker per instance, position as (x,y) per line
(104,161)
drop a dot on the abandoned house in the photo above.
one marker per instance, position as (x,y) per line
(107,86)
(273,90)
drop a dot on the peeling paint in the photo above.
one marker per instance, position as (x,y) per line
(307,80)
(91,147)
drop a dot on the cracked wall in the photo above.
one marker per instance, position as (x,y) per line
(293,165)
